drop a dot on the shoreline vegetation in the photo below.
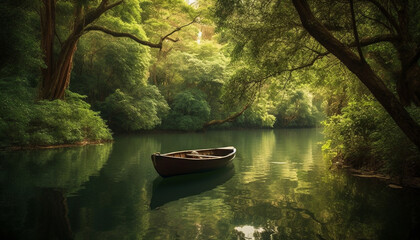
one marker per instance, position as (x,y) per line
(153,131)
(395,182)
(68,145)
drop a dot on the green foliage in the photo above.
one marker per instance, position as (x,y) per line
(15,111)
(401,157)
(25,122)
(69,121)
(257,116)
(112,73)
(160,17)
(19,43)
(139,109)
(366,137)
(242,85)
(267,40)
(297,110)
(193,66)
(103,64)
(189,111)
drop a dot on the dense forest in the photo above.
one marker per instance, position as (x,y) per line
(74,71)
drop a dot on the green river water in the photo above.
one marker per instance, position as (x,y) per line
(278,187)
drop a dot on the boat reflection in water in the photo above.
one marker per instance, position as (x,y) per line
(170,189)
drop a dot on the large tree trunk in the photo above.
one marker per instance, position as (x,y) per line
(361,69)
(57,71)
(47,42)
(56,74)
(55,84)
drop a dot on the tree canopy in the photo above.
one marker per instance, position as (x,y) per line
(283,36)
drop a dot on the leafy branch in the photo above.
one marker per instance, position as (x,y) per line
(138,40)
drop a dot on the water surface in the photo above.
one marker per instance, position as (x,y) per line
(278,187)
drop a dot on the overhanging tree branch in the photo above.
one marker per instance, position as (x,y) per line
(231,118)
(251,99)
(172,40)
(362,43)
(106,8)
(361,69)
(177,29)
(387,15)
(376,39)
(355,33)
(97,12)
(136,39)
(312,62)
(123,34)
(377,21)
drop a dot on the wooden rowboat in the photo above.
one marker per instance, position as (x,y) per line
(191,161)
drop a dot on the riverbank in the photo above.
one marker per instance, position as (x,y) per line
(82,143)
(34,147)
(396,182)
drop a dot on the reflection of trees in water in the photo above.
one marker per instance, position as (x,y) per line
(289,202)
(30,178)
(281,215)
(252,198)
(365,209)
(115,203)
(295,200)
(311,203)
(129,151)
(65,168)
(49,209)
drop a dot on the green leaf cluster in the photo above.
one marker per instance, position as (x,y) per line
(139,109)
(26,122)
(190,67)
(190,111)
(259,115)
(103,64)
(297,109)
(19,43)
(364,136)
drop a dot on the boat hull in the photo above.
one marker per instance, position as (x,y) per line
(178,163)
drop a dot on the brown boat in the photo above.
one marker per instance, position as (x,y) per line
(191,161)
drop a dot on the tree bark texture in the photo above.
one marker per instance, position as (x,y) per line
(47,43)
(361,69)
(56,74)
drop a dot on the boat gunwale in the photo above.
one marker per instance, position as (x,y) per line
(167,155)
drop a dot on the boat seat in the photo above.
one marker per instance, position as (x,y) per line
(201,155)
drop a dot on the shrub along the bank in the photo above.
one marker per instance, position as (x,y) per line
(24,121)
(140,109)
(365,137)
(189,111)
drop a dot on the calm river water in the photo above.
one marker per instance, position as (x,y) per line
(279,187)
